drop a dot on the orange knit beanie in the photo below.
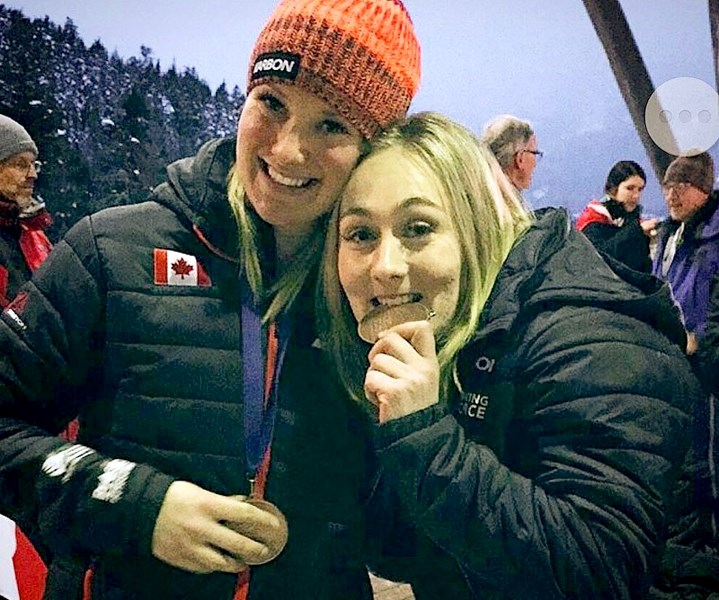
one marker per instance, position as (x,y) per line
(360,56)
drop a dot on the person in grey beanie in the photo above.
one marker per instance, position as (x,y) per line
(14,139)
(23,217)
(23,247)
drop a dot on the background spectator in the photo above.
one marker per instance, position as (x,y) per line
(23,218)
(23,247)
(688,258)
(614,224)
(514,144)
(687,254)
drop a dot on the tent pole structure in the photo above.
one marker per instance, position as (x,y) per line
(629,70)
(714,23)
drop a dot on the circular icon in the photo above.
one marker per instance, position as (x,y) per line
(682,116)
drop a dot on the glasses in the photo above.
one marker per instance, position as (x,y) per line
(538,153)
(678,188)
(24,166)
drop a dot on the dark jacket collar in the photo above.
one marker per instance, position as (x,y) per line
(196,189)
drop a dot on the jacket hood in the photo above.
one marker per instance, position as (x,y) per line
(196,189)
(553,265)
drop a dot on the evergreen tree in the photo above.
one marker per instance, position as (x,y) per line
(106,128)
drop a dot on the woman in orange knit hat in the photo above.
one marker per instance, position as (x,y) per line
(181,331)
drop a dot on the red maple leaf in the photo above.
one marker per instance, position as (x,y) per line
(181,267)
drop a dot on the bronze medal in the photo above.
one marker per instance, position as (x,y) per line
(274,540)
(384,317)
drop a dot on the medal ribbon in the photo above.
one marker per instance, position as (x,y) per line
(260,401)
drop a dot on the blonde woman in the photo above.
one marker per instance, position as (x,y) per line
(532,412)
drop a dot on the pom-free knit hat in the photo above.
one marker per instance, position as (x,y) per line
(697,170)
(14,139)
(360,56)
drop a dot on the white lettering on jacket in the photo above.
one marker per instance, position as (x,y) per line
(475,405)
(14,316)
(112,480)
(485,364)
(63,461)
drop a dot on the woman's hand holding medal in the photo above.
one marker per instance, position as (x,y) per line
(202,532)
(403,376)
(271,533)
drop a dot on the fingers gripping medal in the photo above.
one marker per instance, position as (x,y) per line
(277,541)
(274,540)
(384,317)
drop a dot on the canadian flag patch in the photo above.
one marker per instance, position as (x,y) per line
(176,268)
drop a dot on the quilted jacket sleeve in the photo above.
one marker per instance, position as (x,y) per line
(51,338)
(584,511)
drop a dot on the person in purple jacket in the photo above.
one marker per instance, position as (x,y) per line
(688,247)
(687,256)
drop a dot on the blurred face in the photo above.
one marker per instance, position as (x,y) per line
(629,192)
(294,155)
(683,200)
(525,163)
(396,241)
(17,178)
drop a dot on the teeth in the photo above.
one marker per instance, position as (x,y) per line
(288,181)
(396,300)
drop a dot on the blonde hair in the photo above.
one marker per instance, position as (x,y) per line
(281,294)
(488,216)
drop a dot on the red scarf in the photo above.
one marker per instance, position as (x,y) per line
(34,244)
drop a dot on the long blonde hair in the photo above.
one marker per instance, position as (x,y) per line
(279,295)
(488,216)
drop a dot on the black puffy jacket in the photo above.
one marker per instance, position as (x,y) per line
(13,269)
(155,373)
(620,234)
(551,475)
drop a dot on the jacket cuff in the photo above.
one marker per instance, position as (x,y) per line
(389,433)
(120,515)
(153,486)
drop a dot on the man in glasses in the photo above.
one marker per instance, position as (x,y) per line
(23,218)
(23,246)
(687,256)
(514,144)
(687,253)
